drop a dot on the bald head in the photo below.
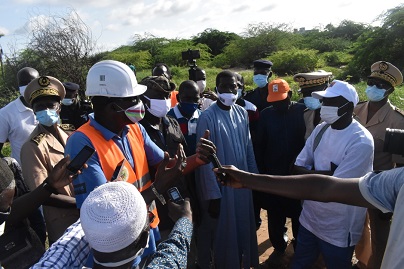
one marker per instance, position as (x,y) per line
(188,92)
(26,75)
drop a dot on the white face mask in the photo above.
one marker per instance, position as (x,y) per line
(227,99)
(201,85)
(22,90)
(159,107)
(329,114)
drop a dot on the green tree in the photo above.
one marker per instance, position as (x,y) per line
(258,41)
(379,43)
(216,40)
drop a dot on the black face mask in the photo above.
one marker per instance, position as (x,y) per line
(4,216)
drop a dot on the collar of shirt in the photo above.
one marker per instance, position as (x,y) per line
(20,106)
(107,134)
(178,114)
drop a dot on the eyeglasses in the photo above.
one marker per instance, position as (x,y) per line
(378,84)
(44,106)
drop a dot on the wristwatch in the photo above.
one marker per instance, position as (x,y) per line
(48,187)
(158,195)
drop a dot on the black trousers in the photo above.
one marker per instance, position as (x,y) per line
(278,209)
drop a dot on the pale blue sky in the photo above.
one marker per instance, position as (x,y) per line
(114,22)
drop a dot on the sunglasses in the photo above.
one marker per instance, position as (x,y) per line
(43,106)
(378,84)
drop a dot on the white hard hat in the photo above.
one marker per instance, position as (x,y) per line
(112,79)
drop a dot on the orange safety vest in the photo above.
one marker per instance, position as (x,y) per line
(110,155)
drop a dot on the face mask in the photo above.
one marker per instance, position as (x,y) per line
(67,101)
(159,107)
(260,80)
(201,85)
(227,99)
(22,90)
(375,94)
(329,114)
(47,117)
(312,103)
(135,113)
(188,108)
(4,216)
(120,263)
(239,92)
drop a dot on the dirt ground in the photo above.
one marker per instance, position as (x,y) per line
(265,248)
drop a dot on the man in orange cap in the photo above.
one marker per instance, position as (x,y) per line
(280,136)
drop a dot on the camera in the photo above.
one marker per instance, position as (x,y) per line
(190,56)
(394,141)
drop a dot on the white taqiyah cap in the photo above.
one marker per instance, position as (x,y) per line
(338,88)
(112,79)
(113,216)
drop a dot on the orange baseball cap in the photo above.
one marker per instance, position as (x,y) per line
(277,90)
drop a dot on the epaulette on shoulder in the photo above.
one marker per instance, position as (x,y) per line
(401,112)
(38,138)
(67,127)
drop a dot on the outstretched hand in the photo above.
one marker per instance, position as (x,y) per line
(166,177)
(204,148)
(60,176)
(233,178)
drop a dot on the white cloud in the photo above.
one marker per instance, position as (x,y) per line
(4,31)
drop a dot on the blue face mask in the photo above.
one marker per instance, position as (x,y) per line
(188,108)
(375,94)
(47,117)
(260,80)
(68,101)
(312,103)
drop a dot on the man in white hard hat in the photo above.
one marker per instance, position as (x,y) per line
(122,145)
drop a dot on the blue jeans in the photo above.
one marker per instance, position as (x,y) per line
(309,248)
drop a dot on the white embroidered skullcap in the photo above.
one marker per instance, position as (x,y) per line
(113,216)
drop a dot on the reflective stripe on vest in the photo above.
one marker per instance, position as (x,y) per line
(110,155)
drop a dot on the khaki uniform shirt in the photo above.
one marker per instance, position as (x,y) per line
(39,154)
(387,117)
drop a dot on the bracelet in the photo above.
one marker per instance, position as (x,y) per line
(158,195)
(48,187)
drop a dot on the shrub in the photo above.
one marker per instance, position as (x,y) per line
(294,60)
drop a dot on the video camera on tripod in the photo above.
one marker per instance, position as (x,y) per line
(190,56)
